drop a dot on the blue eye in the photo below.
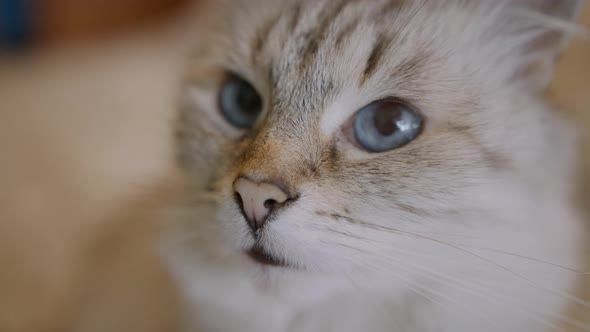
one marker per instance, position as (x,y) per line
(239,102)
(386,125)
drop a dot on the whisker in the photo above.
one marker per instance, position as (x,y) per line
(499,251)
(442,296)
(412,285)
(480,291)
(485,293)
(517,275)
(417,288)
(476,290)
(389,246)
(529,258)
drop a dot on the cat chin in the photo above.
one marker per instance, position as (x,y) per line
(297,287)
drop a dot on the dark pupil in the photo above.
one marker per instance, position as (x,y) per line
(386,117)
(247,99)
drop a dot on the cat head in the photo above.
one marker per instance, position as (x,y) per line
(330,130)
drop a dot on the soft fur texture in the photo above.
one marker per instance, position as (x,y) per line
(467,228)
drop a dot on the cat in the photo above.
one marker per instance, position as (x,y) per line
(384,165)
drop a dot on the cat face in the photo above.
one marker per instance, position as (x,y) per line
(353,135)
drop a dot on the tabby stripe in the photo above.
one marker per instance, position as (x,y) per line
(346,31)
(317,35)
(381,44)
(262,35)
(294,21)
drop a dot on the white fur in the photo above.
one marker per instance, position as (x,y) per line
(495,248)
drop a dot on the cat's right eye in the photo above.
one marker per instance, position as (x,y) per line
(386,125)
(239,103)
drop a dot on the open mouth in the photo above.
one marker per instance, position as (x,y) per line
(261,257)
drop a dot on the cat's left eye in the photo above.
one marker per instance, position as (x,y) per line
(239,103)
(386,125)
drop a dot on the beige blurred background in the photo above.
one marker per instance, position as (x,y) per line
(85,157)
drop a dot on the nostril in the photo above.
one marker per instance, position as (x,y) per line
(270,203)
(238,199)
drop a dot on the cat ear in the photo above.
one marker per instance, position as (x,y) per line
(543,29)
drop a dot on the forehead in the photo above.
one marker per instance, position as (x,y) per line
(309,54)
(338,42)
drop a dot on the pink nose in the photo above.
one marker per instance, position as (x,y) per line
(258,200)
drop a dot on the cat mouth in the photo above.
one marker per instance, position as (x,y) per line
(260,256)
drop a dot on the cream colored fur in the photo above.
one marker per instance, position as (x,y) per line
(468,228)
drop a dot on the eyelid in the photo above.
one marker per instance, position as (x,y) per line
(257,81)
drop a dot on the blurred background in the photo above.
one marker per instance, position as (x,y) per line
(87,91)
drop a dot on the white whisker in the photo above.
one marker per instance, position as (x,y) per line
(481,291)
(515,274)
(416,288)
(528,258)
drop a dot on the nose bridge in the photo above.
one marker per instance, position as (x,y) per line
(272,165)
(273,155)
(289,140)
